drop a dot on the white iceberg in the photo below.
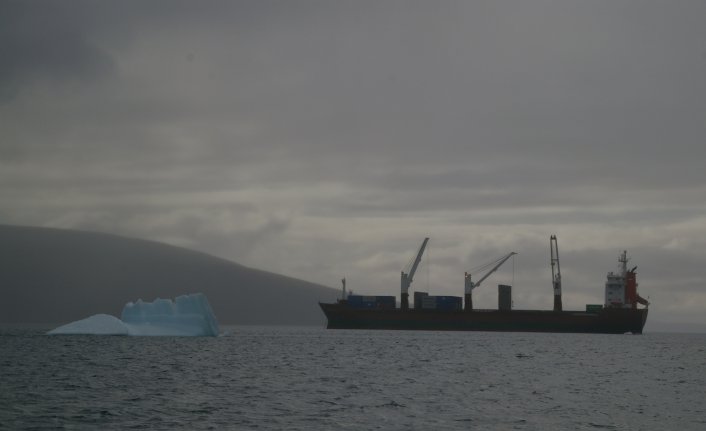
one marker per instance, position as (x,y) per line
(99,324)
(188,315)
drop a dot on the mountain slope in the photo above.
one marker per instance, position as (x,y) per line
(54,276)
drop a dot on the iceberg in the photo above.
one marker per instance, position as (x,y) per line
(99,324)
(188,315)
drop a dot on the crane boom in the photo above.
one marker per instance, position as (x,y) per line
(417,260)
(470,285)
(502,260)
(406,278)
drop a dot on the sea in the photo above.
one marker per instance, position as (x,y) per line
(311,378)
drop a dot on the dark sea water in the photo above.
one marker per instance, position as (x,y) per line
(283,378)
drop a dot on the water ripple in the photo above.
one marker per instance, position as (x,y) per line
(310,378)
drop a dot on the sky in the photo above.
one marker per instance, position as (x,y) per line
(326,139)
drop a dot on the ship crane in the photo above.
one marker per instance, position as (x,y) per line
(407,277)
(556,276)
(470,285)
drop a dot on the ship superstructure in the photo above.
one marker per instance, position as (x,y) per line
(621,287)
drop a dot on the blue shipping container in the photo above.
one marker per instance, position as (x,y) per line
(448,299)
(361,301)
(442,302)
(448,306)
(385,299)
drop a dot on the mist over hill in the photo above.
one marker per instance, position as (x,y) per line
(54,275)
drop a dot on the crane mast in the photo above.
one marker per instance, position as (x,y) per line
(407,278)
(469,285)
(556,275)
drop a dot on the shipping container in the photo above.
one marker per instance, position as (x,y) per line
(448,306)
(385,299)
(367,301)
(449,303)
(386,302)
(429,302)
(441,302)
(449,299)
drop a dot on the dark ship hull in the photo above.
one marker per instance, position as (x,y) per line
(604,321)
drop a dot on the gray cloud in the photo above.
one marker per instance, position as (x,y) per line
(43,42)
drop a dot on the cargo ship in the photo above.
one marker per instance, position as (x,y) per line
(618,314)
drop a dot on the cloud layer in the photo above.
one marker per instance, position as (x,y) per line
(323,140)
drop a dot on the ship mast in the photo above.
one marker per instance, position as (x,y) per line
(623,260)
(556,276)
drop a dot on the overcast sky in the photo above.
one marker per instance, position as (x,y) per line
(322,139)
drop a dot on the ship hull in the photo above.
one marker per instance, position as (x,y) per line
(606,321)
